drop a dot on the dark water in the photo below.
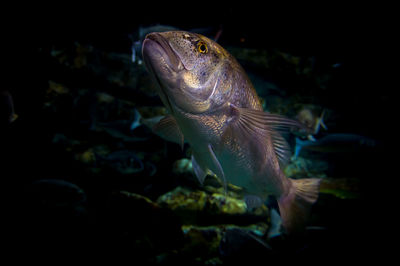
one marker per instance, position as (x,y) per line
(78,181)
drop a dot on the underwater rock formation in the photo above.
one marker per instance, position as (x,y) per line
(169,233)
(214,244)
(204,208)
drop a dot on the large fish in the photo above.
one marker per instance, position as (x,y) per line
(213,106)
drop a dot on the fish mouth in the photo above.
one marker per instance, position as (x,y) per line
(156,44)
(160,60)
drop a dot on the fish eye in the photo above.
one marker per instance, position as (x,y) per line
(202,47)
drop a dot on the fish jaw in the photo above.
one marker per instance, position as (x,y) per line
(162,64)
(156,47)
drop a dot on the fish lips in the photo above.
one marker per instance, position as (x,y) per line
(162,63)
(156,50)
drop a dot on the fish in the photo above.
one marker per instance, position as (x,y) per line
(213,106)
(7,108)
(307,117)
(336,143)
(57,192)
(123,161)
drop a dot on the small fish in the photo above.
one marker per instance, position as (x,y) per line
(214,107)
(124,162)
(335,143)
(7,108)
(136,120)
(57,192)
(308,117)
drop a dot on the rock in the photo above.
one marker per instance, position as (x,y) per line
(183,171)
(116,68)
(245,244)
(342,188)
(56,89)
(182,199)
(226,205)
(200,207)
(306,168)
(152,111)
(86,157)
(201,243)
(218,242)
(55,216)
(182,166)
(58,98)
(58,194)
(123,162)
(141,227)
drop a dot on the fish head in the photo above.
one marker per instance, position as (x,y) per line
(192,71)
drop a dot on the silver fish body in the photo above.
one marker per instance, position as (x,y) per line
(214,107)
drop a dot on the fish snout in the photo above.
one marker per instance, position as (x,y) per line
(157,44)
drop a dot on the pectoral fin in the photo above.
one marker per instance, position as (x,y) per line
(168,129)
(267,121)
(281,148)
(256,125)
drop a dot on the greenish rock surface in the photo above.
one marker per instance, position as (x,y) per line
(342,188)
(306,168)
(205,207)
(208,244)
(190,243)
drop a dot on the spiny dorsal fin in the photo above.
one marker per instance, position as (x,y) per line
(168,129)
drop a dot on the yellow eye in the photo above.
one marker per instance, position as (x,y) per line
(202,47)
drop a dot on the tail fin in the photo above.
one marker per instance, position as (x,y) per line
(295,206)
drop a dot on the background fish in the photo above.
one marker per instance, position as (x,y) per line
(336,143)
(7,108)
(214,107)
